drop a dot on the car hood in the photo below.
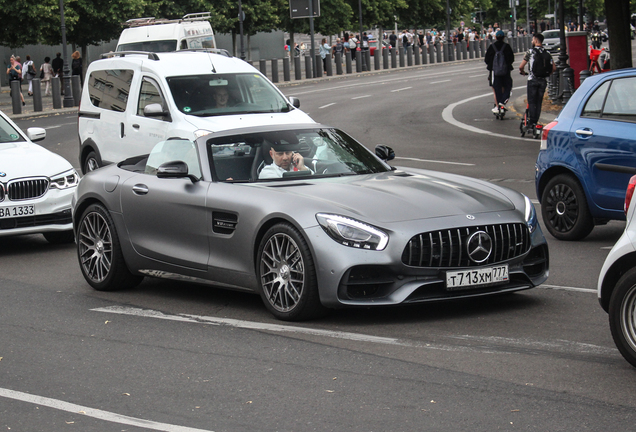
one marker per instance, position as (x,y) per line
(399,196)
(224,122)
(25,159)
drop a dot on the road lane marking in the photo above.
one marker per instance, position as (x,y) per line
(94,413)
(328,105)
(399,90)
(360,97)
(434,161)
(447,115)
(475,76)
(437,82)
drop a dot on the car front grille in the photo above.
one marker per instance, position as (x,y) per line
(25,189)
(449,248)
(2,192)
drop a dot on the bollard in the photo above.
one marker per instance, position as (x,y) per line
(402,57)
(338,63)
(458,51)
(438,50)
(464,50)
(450,51)
(308,72)
(297,72)
(329,65)
(263,66)
(319,66)
(76,87)
(16,101)
(409,55)
(37,95)
(424,54)
(376,59)
(482,45)
(358,62)
(416,51)
(55,89)
(471,50)
(286,70)
(348,61)
(431,53)
(367,58)
(274,70)
(385,58)
(393,58)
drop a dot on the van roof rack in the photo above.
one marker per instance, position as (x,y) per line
(147,21)
(219,51)
(151,55)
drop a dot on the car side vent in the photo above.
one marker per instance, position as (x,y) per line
(224,223)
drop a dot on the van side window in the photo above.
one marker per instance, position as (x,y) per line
(109,89)
(149,94)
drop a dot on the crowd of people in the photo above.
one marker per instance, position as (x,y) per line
(27,72)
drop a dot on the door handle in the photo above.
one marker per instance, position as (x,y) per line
(122,129)
(140,189)
(136,126)
(586,132)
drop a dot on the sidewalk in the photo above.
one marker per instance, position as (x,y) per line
(27,110)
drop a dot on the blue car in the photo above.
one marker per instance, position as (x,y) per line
(587,156)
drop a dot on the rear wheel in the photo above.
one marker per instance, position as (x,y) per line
(564,209)
(99,252)
(91,163)
(622,316)
(287,276)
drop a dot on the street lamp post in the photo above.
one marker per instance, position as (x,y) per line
(241,19)
(68,95)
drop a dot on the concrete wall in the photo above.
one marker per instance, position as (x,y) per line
(262,46)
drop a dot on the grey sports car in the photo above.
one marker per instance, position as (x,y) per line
(337,226)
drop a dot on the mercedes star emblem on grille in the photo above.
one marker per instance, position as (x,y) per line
(479,246)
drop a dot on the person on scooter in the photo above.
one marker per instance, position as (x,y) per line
(540,65)
(499,59)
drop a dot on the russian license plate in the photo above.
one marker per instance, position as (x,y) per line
(17,211)
(476,277)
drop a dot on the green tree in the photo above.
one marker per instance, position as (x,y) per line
(30,23)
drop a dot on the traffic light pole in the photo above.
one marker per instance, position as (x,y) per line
(528,16)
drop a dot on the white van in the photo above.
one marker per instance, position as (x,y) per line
(193,31)
(133,100)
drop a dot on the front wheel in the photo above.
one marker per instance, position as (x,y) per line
(622,316)
(287,276)
(564,209)
(91,163)
(99,252)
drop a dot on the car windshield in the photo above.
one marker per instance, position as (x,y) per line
(8,133)
(150,46)
(325,153)
(222,94)
(550,34)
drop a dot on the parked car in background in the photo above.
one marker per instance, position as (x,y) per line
(617,283)
(131,101)
(348,231)
(36,186)
(576,180)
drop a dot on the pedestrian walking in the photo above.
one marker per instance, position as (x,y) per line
(46,73)
(499,59)
(324,50)
(540,65)
(14,72)
(76,65)
(393,39)
(58,65)
(28,73)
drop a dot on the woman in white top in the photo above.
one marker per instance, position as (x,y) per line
(48,74)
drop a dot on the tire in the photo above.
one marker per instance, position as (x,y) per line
(287,276)
(522,129)
(99,252)
(91,163)
(564,209)
(622,316)
(59,237)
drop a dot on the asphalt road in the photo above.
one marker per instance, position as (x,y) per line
(178,357)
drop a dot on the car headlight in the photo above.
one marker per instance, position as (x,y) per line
(65,180)
(530,214)
(352,233)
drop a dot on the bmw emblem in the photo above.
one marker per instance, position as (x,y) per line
(3,174)
(479,246)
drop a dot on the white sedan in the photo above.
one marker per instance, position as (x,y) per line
(36,186)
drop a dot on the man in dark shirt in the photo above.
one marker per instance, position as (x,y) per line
(58,65)
(501,84)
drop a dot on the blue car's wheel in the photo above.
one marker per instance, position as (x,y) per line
(564,209)
(622,315)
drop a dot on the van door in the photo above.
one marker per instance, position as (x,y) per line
(144,132)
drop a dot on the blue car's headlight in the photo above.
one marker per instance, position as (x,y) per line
(530,214)
(353,233)
(65,180)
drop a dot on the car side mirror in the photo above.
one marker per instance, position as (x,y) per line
(175,169)
(294,101)
(36,134)
(155,110)
(385,153)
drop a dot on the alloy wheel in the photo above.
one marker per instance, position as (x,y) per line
(95,247)
(282,272)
